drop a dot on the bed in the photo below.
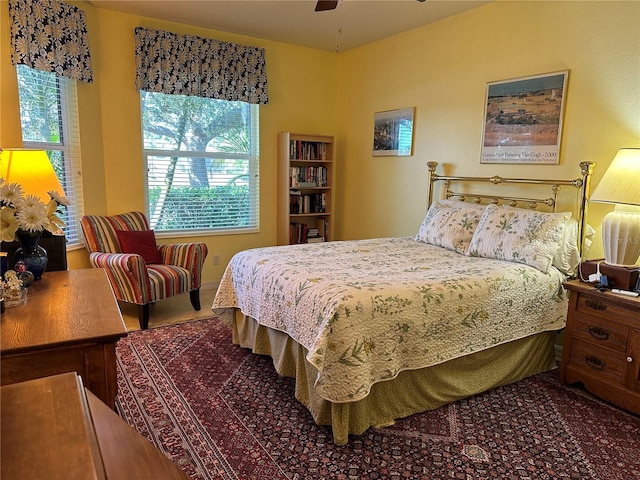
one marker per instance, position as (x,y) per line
(379,329)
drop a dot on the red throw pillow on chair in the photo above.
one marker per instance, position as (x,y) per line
(142,242)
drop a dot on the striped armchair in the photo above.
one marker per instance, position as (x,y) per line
(133,280)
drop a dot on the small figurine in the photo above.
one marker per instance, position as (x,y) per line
(20,266)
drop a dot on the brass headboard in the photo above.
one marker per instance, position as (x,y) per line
(583,184)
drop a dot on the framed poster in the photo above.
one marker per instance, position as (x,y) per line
(393,133)
(523,119)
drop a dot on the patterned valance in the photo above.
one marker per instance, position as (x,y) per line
(189,65)
(51,36)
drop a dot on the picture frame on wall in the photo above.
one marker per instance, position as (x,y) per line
(523,119)
(393,133)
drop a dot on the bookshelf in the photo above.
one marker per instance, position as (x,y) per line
(305,188)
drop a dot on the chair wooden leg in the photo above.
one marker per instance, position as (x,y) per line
(143,316)
(194,295)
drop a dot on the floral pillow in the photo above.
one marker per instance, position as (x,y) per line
(520,236)
(449,227)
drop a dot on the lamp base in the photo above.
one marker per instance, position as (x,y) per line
(621,236)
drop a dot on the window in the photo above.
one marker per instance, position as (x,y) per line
(201,157)
(49,119)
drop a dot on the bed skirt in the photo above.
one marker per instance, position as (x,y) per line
(410,392)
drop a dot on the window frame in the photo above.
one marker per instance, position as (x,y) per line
(252,158)
(69,148)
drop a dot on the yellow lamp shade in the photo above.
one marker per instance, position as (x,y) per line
(32,170)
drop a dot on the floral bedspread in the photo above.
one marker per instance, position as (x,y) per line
(367,309)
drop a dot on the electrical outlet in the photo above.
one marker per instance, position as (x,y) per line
(215,259)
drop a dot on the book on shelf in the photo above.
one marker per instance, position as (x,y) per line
(307,177)
(322,225)
(298,233)
(295,202)
(303,150)
(304,233)
(309,203)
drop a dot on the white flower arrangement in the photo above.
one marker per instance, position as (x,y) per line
(20,212)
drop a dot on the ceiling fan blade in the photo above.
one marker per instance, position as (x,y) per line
(323,5)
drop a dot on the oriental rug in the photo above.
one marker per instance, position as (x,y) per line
(221,412)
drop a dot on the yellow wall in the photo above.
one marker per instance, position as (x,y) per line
(298,79)
(300,82)
(441,69)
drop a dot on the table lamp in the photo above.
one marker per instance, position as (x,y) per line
(620,185)
(32,170)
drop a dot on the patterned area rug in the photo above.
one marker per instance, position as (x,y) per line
(220,412)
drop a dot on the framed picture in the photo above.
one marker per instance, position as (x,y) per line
(523,119)
(393,133)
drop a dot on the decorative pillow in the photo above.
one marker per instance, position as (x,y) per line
(449,227)
(142,242)
(521,236)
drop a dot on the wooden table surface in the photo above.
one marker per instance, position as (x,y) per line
(71,322)
(47,431)
(62,308)
(52,428)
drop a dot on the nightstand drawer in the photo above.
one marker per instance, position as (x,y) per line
(603,308)
(601,332)
(598,362)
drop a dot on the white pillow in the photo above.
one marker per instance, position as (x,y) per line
(522,236)
(449,227)
(567,257)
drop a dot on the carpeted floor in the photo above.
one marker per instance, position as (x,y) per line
(221,412)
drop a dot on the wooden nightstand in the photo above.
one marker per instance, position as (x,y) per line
(601,346)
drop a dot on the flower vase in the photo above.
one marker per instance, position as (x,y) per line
(33,255)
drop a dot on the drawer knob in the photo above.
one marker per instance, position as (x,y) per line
(594,362)
(629,359)
(598,333)
(596,305)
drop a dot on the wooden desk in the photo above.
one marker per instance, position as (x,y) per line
(70,323)
(52,428)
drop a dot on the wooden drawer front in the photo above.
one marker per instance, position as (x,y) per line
(598,362)
(28,366)
(600,332)
(595,306)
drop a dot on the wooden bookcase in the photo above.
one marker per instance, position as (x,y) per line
(305,187)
